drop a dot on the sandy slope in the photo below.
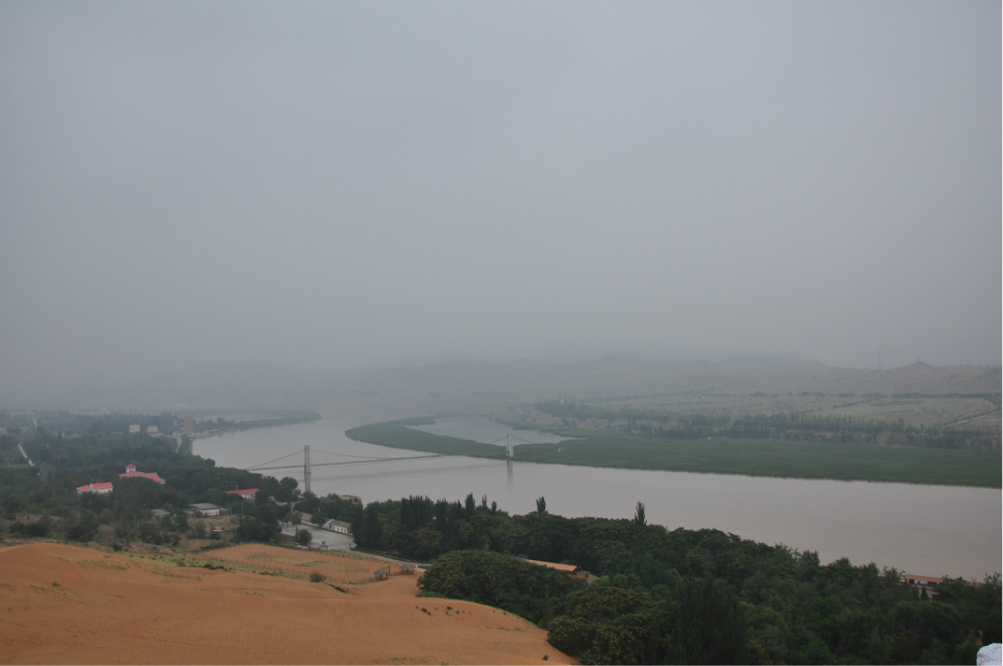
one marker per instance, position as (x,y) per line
(110,608)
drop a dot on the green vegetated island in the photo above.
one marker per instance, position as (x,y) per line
(652,595)
(854,439)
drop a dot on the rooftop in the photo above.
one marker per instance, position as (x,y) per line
(570,568)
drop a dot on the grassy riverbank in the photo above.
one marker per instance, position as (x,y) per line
(755,457)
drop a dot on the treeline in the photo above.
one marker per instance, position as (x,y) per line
(48,490)
(117,423)
(683,596)
(797,426)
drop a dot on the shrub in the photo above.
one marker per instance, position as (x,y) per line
(317,577)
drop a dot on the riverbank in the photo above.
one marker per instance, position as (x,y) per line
(808,460)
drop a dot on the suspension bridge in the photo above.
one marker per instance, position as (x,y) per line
(307,466)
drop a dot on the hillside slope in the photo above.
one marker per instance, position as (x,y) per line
(72,605)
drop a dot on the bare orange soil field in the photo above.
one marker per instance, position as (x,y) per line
(64,604)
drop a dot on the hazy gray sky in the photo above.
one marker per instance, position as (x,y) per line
(335,185)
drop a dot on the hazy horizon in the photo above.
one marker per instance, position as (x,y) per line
(329,189)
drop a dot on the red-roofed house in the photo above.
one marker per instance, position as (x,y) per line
(131,473)
(97,488)
(246,493)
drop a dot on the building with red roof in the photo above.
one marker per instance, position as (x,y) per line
(97,488)
(131,473)
(247,493)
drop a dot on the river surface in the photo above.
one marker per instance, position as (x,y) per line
(927,530)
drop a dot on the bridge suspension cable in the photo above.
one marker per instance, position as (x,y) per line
(288,455)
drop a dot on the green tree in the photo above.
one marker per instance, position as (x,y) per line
(639,518)
(706,623)
(604,625)
(303,537)
(287,490)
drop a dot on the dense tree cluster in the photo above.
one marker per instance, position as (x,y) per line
(534,592)
(687,596)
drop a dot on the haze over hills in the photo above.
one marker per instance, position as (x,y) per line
(623,375)
(466,383)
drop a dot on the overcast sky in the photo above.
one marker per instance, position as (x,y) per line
(333,186)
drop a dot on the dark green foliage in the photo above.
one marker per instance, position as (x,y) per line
(706,624)
(699,621)
(605,624)
(303,537)
(252,529)
(728,453)
(287,491)
(531,591)
(711,596)
(84,529)
(639,518)
(38,529)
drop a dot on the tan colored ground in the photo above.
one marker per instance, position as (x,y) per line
(73,605)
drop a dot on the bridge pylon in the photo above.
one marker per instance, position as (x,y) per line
(306,468)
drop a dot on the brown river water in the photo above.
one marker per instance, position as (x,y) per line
(927,530)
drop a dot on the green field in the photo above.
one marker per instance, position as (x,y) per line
(720,456)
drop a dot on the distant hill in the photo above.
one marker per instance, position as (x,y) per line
(619,376)
(465,384)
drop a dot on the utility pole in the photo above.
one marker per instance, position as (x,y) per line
(306,468)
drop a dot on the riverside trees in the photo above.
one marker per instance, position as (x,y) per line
(686,596)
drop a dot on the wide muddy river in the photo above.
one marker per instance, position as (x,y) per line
(927,530)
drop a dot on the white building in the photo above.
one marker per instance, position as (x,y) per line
(134,429)
(152,430)
(205,510)
(338,526)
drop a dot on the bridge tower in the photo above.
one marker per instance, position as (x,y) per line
(508,446)
(306,468)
